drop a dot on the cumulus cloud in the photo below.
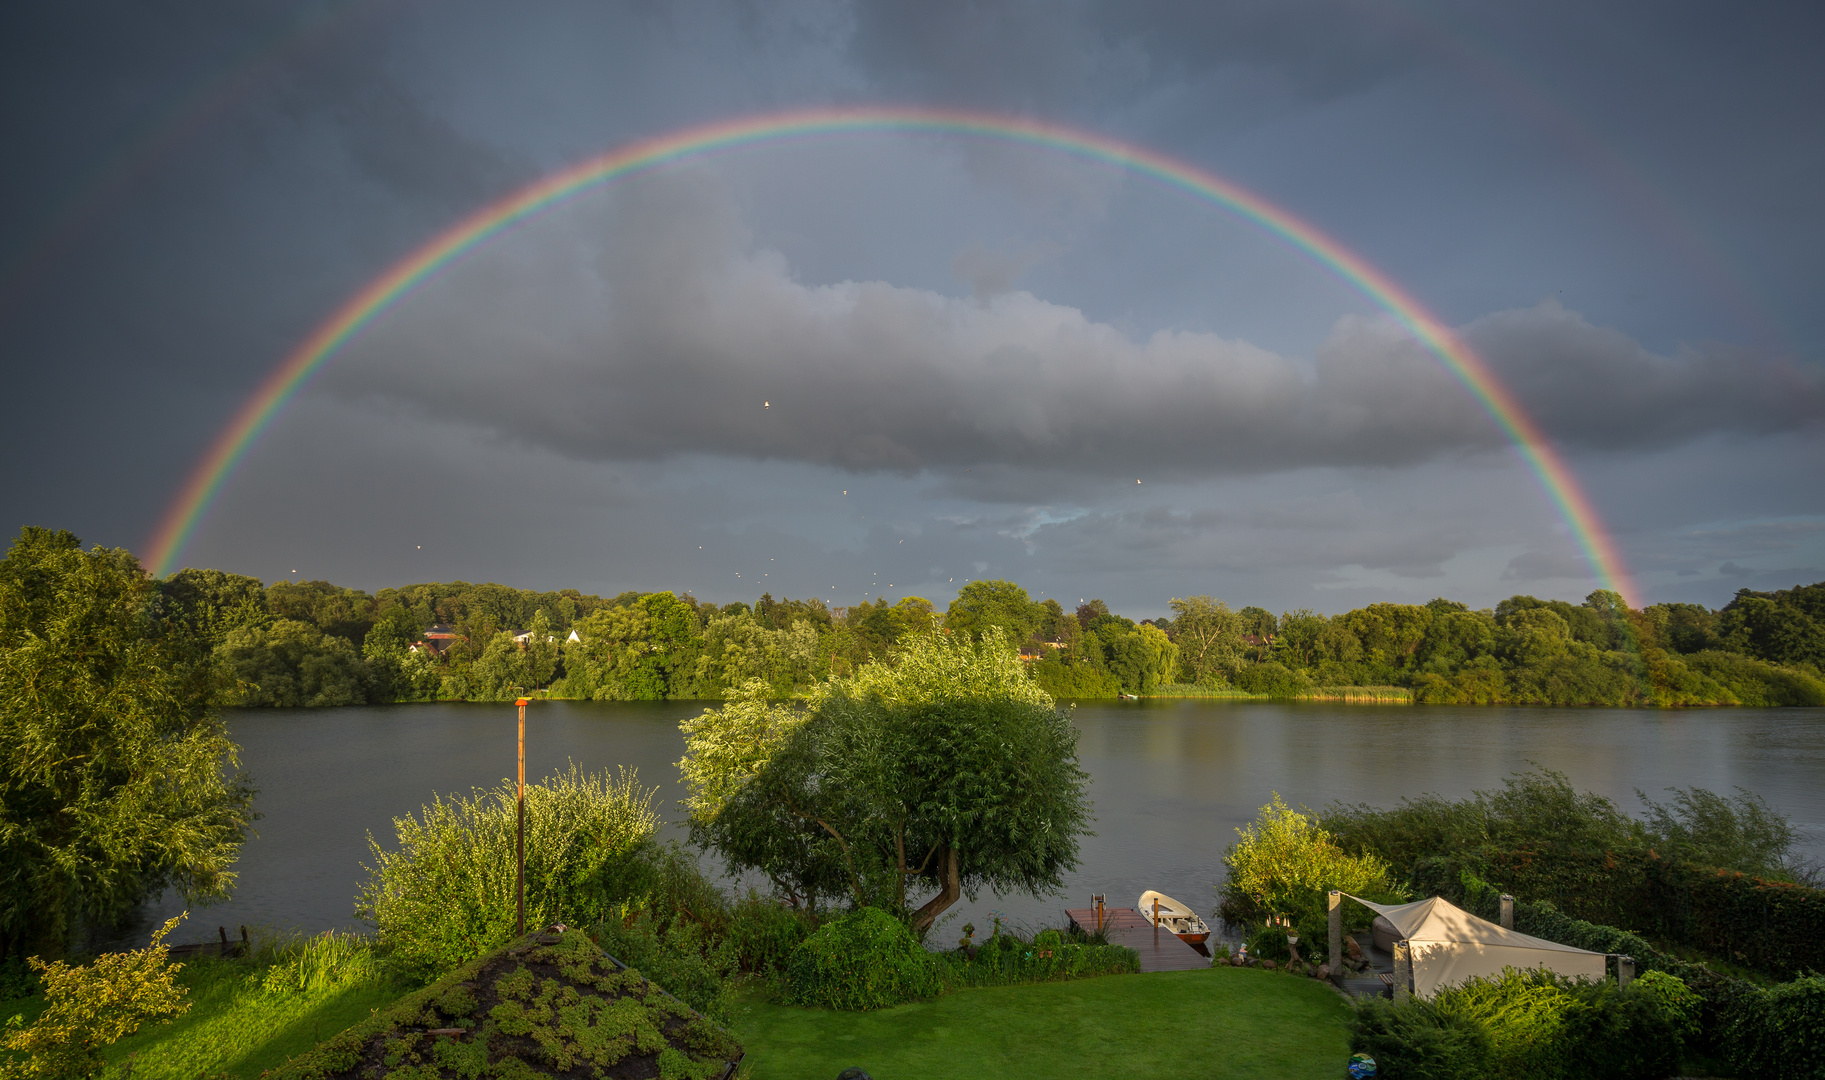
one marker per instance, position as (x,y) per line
(662,332)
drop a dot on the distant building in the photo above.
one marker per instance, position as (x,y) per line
(438,639)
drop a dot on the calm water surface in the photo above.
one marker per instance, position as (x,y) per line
(1171,780)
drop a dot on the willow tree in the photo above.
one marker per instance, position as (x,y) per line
(942,773)
(112,762)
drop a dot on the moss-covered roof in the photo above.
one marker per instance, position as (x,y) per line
(553,1005)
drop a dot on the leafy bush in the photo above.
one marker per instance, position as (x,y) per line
(763,933)
(1285,864)
(1777,1032)
(447,894)
(1415,1040)
(866,959)
(665,882)
(681,959)
(1006,959)
(1534,1025)
(1539,838)
(91,1006)
(1704,828)
(1273,679)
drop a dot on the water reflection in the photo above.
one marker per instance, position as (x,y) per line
(1171,780)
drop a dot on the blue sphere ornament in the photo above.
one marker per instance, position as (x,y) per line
(1361,1066)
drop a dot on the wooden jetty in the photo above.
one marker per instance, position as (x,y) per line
(1160,949)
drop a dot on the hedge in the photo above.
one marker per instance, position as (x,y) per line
(1774,926)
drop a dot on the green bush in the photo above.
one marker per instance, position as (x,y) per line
(866,959)
(763,933)
(447,894)
(1006,959)
(681,959)
(1778,1032)
(1285,864)
(90,1006)
(1273,679)
(1532,1025)
(1414,1040)
(667,883)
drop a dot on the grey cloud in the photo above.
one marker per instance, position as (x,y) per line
(1595,386)
(1535,565)
(662,332)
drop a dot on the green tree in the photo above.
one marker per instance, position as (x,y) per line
(1297,643)
(291,664)
(1209,637)
(215,603)
(646,650)
(948,768)
(1002,605)
(1143,660)
(346,613)
(1259,628)
(116,767)
(1285,863)
(1769,630)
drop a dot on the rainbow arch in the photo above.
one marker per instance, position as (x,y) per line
(230,447)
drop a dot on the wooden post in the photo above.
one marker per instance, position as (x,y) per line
(519,855)
(1336,919)
(1156,913)
(1625,971)
(1099,912)
(1403,970)
(1507,912)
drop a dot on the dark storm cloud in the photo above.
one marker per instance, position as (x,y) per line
(688,341)
(1040,55)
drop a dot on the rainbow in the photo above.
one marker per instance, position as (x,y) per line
(257,413)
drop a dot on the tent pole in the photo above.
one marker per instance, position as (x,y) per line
(1336,919)
(1403,970)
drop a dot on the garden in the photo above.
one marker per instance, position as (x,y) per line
(864,811)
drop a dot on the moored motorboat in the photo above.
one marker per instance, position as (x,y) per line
(1165,912)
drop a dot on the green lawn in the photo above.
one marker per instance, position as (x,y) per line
(1220,1022)
(232,1026)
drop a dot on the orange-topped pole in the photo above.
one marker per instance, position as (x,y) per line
(519,855)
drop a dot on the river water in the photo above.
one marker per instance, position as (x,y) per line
(1171,780)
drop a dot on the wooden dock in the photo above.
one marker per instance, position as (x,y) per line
(1160,949)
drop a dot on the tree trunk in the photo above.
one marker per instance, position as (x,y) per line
(950,888)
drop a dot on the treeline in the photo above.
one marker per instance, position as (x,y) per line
(315,643)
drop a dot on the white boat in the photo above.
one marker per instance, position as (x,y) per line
(1163,911)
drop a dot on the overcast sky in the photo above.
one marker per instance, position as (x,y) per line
(891,364)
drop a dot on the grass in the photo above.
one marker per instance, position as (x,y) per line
(1211,1024)
(1192,690)
(246,1017)
(1384,695)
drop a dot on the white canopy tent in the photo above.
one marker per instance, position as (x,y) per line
(1449,945)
